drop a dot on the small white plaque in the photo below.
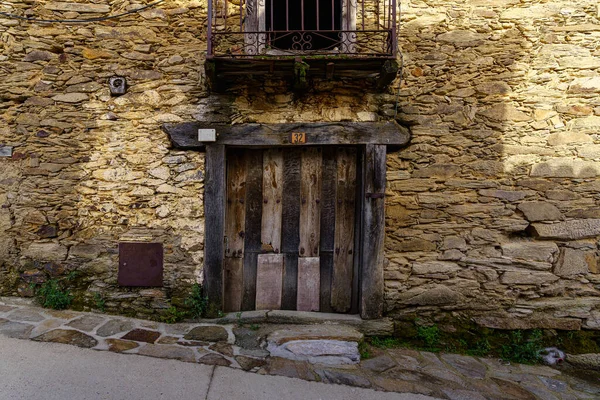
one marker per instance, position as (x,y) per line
(6,151)
(207,135)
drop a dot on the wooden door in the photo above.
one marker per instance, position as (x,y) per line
(291,229)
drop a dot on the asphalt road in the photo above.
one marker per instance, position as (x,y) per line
(47,371)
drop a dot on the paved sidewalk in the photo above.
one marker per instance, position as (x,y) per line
(49,371)
(242,347)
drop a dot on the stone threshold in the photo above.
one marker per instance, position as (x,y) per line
(368,327)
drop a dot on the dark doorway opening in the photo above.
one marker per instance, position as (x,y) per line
(304,24)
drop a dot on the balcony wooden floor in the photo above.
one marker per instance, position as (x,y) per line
(378,72)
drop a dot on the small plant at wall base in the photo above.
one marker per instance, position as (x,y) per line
(99,302)
(51,294)
(522,348)
(172,315)
(197,301)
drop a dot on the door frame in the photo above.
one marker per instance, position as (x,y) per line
(373,138)
(371,223)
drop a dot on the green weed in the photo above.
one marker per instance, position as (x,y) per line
(520,349)
(482,348)
(363,350)
(387,342)
(430,335)
(197,301)
(99,302)
(51,294)
(172,315)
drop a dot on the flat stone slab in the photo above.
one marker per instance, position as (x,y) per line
(512,389)
(25,315)
(67,337)
(467,366)
(214,359)
(343,378)
(86,323)
(119,346)
(208,334)
(16,330)
(315,332)
(167,351)
(248,363)
(290,368)
(569,230)
(113,327)
(4,308)
(223,348)
(46,326)
(331,352)
(141,335)
(378,364)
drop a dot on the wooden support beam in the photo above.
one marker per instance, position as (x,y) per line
(329,69)
(371,299)
(185,135)
(214,211)
(388,73)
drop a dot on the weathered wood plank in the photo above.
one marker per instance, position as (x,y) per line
(269,281)
(310,198)
(373,233)
(214,211)
(236,205)
(308,284)
(290,281)
(233,275)
(358,224)
(235,225)
(343,258)
(253,221)
(290,229)
(185,135)
(328,186)
(272,197)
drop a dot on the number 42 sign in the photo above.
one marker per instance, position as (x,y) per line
(297,138)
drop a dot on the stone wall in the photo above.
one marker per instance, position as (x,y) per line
(492,211)
(493,208)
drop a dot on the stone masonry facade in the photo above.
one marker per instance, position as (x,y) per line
(492,210)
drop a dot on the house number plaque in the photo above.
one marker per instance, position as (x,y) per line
(297,138)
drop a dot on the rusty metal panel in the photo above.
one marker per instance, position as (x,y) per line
(140,264)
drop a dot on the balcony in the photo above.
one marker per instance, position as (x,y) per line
(302,39)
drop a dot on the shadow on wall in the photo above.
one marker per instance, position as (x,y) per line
(501,107)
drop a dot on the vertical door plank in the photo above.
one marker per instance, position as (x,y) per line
(252,244)
(308,284)
(343,258)
(269,281)
(214,212)
(358,224)
(310,198)
(235,231)
(233,275)
(327,225)
(272,196)
(371,304)
(290,226)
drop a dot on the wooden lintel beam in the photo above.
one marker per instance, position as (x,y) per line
(329,70)
(185,135)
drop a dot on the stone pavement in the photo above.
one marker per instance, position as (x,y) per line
(242,345)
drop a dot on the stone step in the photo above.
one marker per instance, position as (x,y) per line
(317,344)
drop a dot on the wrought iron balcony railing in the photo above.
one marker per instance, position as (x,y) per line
(267,29)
